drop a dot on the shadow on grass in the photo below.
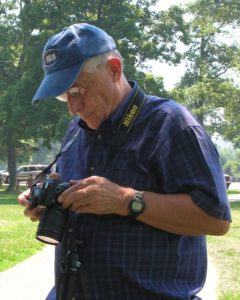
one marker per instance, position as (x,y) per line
(7,198)
(235,205)
(8,202)
(233,192)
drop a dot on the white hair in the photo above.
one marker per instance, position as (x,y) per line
(91,65)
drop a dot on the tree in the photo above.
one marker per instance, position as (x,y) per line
(230,162)
(17,84)
(207,86)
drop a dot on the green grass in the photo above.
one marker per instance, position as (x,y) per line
(225,254)
(17,233)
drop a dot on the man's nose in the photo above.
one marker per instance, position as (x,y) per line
(74,104)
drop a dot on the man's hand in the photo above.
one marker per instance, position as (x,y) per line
(33,214)
(96,195)
(23,199)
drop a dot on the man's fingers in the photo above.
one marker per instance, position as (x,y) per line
(33,214)
(55,175)
(23,198)
(76,185)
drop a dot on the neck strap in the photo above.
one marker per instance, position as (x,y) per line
(40,177)
(128,119)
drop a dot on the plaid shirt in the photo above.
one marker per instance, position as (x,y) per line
(167,151)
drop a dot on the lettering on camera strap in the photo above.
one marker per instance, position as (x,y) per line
(132,111)
(120,135)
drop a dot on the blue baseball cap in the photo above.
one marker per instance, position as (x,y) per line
(64,54)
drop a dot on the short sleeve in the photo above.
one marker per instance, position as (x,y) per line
(188,162)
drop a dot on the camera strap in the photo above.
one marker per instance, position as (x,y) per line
(42,176)
(132,111)
(120,135)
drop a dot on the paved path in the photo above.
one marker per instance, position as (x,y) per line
(234,198)
(210,287)
(30,280)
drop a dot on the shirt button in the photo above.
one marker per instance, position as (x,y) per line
(99,137)
(92,169)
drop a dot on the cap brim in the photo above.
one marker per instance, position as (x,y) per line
(56,83)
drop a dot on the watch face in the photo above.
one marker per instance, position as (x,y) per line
(137,206)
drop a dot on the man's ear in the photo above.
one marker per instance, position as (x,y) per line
(114,65)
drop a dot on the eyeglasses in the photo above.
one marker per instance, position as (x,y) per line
(75,91)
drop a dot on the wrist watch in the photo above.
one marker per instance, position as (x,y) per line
(136,205)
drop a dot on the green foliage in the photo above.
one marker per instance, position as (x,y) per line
(230,160)
(151,85)
(207,86)
(232,167)
(210,100)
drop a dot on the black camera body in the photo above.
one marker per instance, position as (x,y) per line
(53,221)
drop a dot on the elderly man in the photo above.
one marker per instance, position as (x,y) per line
(146,182)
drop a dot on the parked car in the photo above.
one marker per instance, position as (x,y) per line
(228,180)
(1,177)
(24,172)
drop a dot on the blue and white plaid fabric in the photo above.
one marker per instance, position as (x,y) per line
(167,151)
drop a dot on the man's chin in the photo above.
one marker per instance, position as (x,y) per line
(92,122)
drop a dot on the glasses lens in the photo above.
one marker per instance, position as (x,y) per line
(75,91)
(62,97)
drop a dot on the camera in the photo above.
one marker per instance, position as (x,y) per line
(53,221)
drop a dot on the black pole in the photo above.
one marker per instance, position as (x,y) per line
(67,280)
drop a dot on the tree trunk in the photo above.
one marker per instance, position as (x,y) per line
(12,169)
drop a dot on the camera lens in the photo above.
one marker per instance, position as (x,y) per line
(52,225)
